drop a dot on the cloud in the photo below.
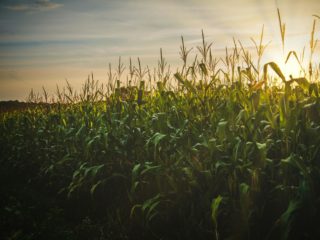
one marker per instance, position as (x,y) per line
(38,5)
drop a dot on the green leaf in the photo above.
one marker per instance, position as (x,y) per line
(313,88)
(150,169)
(94,187)
(214,209)
(203,69)
(149,206)
(133,209)
(185,83)
(93,170)
(275,68)
(262,146)
(156,138)
(244,188)
(302,82)
(221,130)
(135,170)
(287,218)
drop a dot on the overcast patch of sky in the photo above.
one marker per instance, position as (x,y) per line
(124,24)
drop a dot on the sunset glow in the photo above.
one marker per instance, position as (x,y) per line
(43,43)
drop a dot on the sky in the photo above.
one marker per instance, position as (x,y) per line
(45,42)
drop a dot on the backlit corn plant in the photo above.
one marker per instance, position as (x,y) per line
(213,150)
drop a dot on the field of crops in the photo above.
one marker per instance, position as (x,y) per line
(219,149)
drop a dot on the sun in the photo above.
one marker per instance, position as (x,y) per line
(292,68)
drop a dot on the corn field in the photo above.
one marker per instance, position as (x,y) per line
(213,150)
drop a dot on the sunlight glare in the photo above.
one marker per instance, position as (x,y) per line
(292,68)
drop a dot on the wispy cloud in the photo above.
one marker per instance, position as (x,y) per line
(38,5)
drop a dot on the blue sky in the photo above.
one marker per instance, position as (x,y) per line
(44,42)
